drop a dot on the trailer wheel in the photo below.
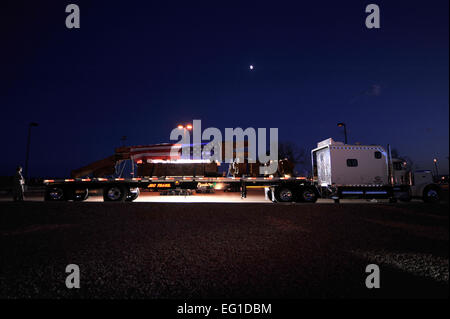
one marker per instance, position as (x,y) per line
(308,195)
(114,193)
(284,194)
(79,195)
(133,194)
(55,194)
(431,194)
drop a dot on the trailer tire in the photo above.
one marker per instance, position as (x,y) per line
(284,194)
(55,194)
(133,195)
(79,195)
(308,195)
(431,194)
(115,193)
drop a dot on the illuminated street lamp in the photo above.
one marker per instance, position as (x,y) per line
(345,130)
(32,124)
(185,128)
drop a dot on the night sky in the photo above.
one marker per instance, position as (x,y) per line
(139,68)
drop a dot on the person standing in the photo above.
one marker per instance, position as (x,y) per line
(18,186)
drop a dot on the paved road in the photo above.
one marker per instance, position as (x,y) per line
(198,250)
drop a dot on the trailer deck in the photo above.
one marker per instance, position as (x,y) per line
(128,189)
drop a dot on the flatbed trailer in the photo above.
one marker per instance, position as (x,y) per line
(282,189)
(277,189)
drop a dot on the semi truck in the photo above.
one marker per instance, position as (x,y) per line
(339,171)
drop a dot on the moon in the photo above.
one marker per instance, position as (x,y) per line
(251,67)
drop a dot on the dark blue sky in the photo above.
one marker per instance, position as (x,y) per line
(138,68)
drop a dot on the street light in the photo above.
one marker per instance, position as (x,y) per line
(28,146)
(345,130)
(185,128)
(435,166)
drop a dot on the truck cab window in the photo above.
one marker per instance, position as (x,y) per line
(377,155)
(352,162)
(398,166)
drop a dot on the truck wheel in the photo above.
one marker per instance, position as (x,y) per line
(79,195)
(308,195)
(133,194)
(114,193)
(55,194)
(284,194)
(431,194)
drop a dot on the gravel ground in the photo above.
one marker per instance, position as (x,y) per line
(219,250)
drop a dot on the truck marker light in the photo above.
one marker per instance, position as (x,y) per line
(49,181)
(69,180)
(120,179)
(102,179)
(86,180)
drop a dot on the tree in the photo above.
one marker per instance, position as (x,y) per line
(294,154)
(409,162)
